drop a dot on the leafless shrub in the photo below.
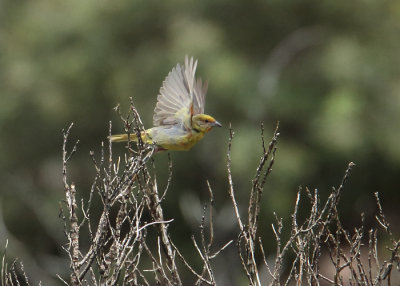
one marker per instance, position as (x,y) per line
(321,231)
(128,241)
(119,252)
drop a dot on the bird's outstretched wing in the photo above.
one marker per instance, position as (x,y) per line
(181,96)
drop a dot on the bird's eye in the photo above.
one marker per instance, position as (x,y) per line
(206,121)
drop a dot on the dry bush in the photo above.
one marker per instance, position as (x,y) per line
(120,248)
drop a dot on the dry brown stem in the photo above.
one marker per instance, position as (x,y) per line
(119,247)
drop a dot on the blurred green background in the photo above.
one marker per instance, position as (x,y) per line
(329,71)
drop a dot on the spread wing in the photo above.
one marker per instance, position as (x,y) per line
(181,96)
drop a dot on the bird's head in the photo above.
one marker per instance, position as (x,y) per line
(204,122)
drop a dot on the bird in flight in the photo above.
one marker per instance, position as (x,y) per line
(179,120)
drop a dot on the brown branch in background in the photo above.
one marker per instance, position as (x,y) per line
(156,211)
(385,271)
(231,188)
(73,234)
(10,275)
(70,195)
(247,249)
(381,218)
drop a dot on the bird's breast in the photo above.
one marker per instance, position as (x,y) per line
(174,138)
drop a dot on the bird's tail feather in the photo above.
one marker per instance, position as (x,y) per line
(123,137)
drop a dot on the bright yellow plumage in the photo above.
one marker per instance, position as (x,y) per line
(179,119)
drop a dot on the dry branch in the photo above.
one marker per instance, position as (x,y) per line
(122,248)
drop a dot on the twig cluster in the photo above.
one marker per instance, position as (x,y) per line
(247,239)
(127,240)
(14,274)
(298,259)
(119,251)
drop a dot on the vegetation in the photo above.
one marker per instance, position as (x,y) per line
(327,71)
(131,242)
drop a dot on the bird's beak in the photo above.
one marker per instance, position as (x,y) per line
(216,123)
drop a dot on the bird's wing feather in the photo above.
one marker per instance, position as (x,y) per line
(200,91)
(180,96)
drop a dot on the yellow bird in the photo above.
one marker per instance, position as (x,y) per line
(179,120)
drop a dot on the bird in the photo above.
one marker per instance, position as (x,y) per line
(179,120)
